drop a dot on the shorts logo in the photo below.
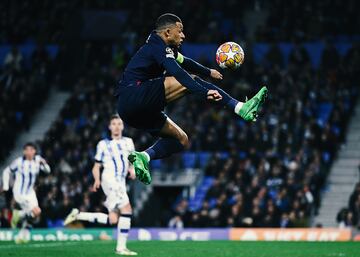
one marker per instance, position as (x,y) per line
(169,53)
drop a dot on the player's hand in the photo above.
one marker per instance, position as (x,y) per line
(214,95)
(132,174)
(96,185)
(215,74)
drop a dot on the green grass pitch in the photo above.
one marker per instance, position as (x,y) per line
(184,249)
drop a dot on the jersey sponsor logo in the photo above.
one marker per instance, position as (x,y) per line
(169,53)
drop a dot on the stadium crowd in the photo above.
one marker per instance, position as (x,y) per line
(350,216)
(22,91)
(307,20)
(299,20)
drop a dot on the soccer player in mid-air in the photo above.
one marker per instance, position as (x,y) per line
(25,169)
(159,74)
(111,155)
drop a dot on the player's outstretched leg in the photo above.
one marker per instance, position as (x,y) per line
(163,148)
(94,217)
(123,229)
(173,140)
(248,110)
(71,217)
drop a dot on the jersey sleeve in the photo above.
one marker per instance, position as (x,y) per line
(6,178)
(99,155)
(166,57)
(174,69)
(191,65)
(161,54)
(44,166)
(14,165)
(131,145)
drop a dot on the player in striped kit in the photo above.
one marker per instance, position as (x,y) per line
(112,156)
(25,169)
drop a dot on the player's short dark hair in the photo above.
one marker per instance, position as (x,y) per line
(114,116)
(29,144)
(166,20)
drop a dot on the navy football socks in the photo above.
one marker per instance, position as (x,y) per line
(164,147)
(226,100)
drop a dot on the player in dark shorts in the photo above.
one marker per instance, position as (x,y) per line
(158,75)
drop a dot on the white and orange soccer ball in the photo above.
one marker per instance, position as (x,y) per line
(229,55)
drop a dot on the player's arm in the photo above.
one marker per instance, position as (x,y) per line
(96,175)
(166,58)
(99,156)
(6,175)
(44,166)
(6,179)
(173,68)
(131,169)
(193,66)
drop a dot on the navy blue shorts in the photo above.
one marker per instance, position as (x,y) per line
(142,106)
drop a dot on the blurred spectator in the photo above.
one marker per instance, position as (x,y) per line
(13,59)
(350,217)
(5,218)
(22,91)
(176,222)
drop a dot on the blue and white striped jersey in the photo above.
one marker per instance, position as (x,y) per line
(113,155)
(26,172)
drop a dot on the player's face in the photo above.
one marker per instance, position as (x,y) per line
(176,35)
(116,127)
(29,152)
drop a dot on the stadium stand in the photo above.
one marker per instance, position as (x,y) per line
(350,216)
(309,20)
(22,91)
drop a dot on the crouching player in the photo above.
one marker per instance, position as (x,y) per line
(112,156)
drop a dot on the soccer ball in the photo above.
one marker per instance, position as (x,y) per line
(229,55)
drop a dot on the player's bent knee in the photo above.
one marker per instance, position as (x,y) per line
(126,209)
(113,218)
(36,211)
(184,139)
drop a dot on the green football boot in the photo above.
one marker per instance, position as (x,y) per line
(141,165)
(15,219)
(250,108)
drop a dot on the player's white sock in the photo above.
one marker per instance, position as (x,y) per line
(123,231)
(238,107)
(147,156)
(95,217)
